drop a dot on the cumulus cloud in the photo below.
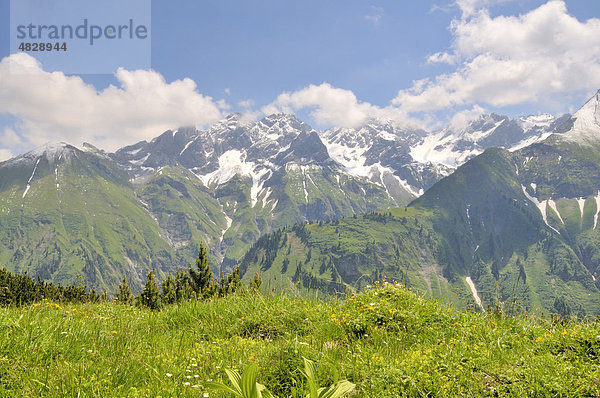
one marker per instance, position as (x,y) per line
(247,103)
(461,119)
(335,106)
(53,106)
(5,154)
(10,138)
(509,60)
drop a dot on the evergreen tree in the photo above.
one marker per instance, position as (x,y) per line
(233,280)
(256,282)
(169,290)
(150,296)
(201,277)
(183,288)
(123,293)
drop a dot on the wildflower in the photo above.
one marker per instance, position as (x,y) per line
(205,394)
(564,332)
(539,340)
(251,358)
(187,383)
(114,332)
(169,375)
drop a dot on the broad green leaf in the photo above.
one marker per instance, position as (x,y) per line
(215,385)
(236,380)
(337,390)
(309,373)
(248,383)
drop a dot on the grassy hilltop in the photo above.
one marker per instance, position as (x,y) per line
(387,340)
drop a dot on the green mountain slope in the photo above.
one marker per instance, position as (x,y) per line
(65,212)
(229,217)
(480,225)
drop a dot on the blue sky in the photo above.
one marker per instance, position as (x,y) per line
(331,62)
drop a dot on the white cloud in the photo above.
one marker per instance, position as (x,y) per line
(5,154)
(335,106)
(10,138)
(461,119)
(509,60)
(441,57)
(248,103)
(53,107)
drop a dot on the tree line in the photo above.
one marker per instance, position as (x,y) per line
(195,283)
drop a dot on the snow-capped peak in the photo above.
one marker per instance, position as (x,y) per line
(53,151)
(586,122)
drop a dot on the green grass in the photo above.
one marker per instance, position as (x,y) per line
(386,340)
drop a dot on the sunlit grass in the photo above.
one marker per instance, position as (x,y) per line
(386,340)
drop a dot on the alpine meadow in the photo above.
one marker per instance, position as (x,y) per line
(300,199)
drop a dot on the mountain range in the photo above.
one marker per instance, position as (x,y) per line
(69,213)
(509,229)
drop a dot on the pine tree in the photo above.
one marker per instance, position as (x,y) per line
(233,280)
(169,291)
(150,296)
(201,278)
(123,293)
(256,282)
(183,289)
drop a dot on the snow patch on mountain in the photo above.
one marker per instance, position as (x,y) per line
(304,183)
(265,198)
(187,146)
(474,292)
(30,178)
(541,206)
(231,163)
(597,209)
(536,121)
(586,123)
(256,187)
(529,141)
(581,203)
(552,205)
